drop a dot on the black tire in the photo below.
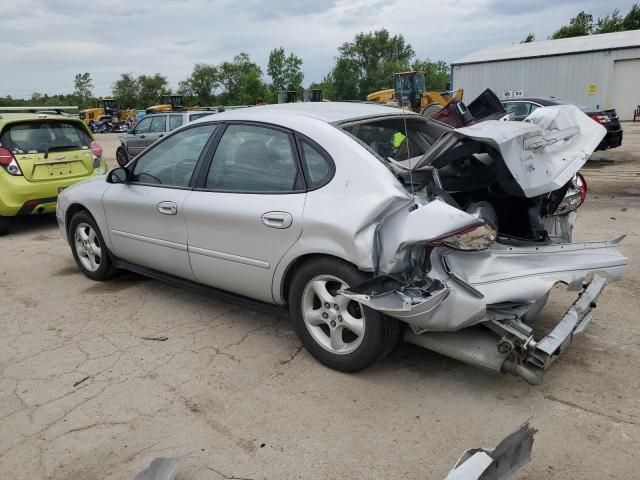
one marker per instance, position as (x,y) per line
(105,268)
(381,333)
(4,225)
(122,157)
(431,110)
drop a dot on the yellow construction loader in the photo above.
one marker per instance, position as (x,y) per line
(106,109)
(168,103)
(410,91)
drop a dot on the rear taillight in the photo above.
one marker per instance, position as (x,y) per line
(600,118)
(575,196)
(9,163)
(470,239)
(96,149)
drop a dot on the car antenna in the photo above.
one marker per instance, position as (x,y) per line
(406,139)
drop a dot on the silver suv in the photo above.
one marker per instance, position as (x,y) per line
(150,129)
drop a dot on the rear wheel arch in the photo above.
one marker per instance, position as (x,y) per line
(294,265)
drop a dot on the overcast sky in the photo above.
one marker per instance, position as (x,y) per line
(44,43)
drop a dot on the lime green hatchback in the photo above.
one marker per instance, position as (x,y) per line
(41,155)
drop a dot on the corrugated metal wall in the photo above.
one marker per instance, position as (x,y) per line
(565,76)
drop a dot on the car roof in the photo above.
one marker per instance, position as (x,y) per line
(19,117)
(329,112)
(546,101)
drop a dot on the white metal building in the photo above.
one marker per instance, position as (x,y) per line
(599,71)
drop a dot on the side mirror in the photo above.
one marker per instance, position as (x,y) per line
(118,175)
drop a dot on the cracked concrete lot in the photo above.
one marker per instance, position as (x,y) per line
(84,397)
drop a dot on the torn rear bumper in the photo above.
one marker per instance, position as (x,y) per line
(475,306)
(481,347)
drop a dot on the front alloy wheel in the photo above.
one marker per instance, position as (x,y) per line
(88,247)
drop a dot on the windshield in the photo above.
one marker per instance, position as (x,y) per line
(40,137)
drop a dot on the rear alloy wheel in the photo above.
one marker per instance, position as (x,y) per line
(122,157)
(337,331)
(334,321)
(4,225)
(89,250)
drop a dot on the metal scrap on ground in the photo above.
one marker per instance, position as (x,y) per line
(161,469)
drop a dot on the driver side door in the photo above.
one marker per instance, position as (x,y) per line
(145,216)
(137,140)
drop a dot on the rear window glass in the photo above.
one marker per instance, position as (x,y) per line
(43,136)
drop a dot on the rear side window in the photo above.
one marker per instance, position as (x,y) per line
(317,163)
(43,136)
(252,159)
(175,121)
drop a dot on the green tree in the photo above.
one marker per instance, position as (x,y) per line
(326,85)
(241,80)
(529,38)
(151,89)
(368,63)
(436,73)
(126,91)
(83,88)
(631,20)
(285,71)
(201,84)
(580,25)
(609,23)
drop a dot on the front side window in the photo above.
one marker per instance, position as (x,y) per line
(158,124)
(172,161)
(175,121)
(254,159)
(143,126)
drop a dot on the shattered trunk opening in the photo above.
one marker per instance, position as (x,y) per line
(473,256)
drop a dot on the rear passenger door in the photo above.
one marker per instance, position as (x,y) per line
(247,210)
(157,130)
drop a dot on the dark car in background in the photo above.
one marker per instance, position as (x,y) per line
(150,129)
(521,107)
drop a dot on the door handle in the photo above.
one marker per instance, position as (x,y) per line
(168,208)
(161,135)
(141,136)
(277,219)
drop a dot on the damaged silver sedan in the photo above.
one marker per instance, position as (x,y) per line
(366,223)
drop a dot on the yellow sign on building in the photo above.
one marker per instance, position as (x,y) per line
(592,89)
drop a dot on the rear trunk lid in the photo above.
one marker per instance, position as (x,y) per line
(542,154)
(49,149)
